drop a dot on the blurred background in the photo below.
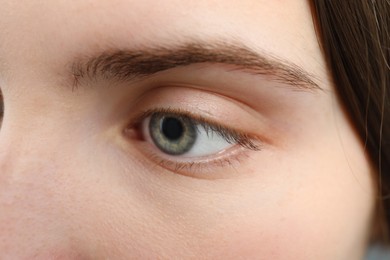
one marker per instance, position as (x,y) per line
(378,253)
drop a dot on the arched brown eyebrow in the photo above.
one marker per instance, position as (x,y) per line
(127,65)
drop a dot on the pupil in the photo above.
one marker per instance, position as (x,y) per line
(172,128)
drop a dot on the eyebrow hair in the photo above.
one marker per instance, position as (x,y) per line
(127,65)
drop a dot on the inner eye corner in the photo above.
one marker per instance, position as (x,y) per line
(133,131)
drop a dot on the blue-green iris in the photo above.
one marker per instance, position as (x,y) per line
(172,134)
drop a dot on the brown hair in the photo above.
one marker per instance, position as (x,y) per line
(355,38)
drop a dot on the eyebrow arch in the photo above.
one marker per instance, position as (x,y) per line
(127,65)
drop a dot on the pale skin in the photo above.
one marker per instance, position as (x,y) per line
(76,182)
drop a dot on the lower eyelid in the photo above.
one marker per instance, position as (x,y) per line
(209,167)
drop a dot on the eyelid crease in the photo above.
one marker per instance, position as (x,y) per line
(232,136)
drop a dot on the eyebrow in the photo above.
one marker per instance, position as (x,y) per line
(133,64)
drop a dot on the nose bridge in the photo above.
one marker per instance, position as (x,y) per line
(26,162)
(17,156)
(30,151)
(10,157)
(25,191)
(32,207)
(22,170)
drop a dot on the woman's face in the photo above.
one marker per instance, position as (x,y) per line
(173,130)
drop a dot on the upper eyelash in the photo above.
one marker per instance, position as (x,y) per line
(230,135)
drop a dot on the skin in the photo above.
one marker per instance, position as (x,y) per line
(74,186)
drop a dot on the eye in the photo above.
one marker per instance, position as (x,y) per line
(188,143)
(176,133)
(181,135)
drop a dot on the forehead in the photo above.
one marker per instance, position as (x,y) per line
(57,30)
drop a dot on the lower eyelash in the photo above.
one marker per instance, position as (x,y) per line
(205,167)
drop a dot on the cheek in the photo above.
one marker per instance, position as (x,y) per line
(320,219)
(319,209)
(304,225)
(313,211)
